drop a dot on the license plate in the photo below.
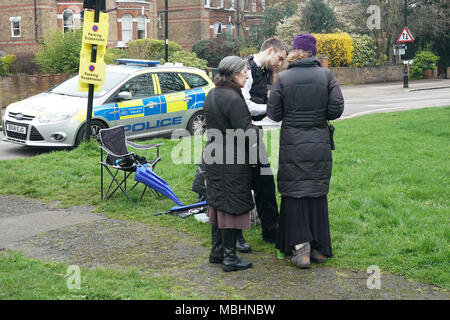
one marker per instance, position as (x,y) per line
(17,129)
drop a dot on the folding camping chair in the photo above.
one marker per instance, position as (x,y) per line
(114,142)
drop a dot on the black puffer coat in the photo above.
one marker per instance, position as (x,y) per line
(228,186)
(304,97)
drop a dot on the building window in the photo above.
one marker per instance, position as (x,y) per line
(229,28)
(127,28)
(15,26)
(231,4)
(217,28)
(253,5)
(220,3)
(207,3)
(141,27)
(68,20)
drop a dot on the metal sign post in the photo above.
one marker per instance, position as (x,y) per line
(93,48)
(91,86)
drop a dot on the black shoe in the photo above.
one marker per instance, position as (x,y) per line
(216,255)
(231,262)
(242,245)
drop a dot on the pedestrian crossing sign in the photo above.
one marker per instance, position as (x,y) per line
(405,36)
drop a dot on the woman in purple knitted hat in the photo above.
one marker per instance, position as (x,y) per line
(304,97)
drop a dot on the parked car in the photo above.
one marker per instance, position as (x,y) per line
(147,98)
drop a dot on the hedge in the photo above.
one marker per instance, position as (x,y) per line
(337,46)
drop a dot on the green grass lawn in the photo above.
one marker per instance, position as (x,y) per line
(388,198)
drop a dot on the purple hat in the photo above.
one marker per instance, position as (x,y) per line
(305,41)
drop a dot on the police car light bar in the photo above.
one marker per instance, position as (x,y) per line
(146,63)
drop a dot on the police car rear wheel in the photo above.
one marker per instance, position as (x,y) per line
(96,126)
(197,124)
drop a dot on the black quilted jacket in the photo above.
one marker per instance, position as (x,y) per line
(228,186)
(304,97)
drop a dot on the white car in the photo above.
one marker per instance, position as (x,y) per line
(145,97)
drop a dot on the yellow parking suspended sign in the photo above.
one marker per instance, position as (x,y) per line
(95,32)
(92,72)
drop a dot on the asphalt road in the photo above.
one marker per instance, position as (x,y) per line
(359,100)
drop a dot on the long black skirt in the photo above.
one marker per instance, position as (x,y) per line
(304,220)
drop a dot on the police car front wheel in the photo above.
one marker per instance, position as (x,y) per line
(96,126)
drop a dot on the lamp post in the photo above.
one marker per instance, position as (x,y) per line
(166,30)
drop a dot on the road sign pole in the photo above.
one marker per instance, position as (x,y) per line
(405,66)
(91,86)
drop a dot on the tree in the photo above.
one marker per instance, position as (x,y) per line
(272,15)
(319,17)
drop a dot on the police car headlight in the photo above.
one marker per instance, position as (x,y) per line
(56,116)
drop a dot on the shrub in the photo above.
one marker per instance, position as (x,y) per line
(424,60)
(112,54)
(5,63)
(188,59)
(201,48)
(289,27)
(218,48)
(149,49)
(60,53)
(337,46)
(364,53)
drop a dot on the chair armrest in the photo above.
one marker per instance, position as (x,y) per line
(143,146)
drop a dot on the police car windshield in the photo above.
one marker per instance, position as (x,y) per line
(70,86)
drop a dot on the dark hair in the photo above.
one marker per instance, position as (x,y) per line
(228,67)
(276,43)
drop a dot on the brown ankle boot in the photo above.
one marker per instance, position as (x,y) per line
(301,257)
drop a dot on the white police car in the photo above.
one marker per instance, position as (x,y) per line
(145,97)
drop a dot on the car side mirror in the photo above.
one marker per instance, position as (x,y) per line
(124,95)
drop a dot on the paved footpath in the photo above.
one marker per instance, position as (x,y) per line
(78,236)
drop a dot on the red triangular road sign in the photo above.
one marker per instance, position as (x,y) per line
(405,36)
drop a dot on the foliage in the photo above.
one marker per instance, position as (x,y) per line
(289,27)
(112,54)
(214,50)
(272,16)
(149,49)
(5,63)
(60,53)
(364,53)
(201,48)
(188,59)
(319,17)
(248,51)
(424,60)
(337,46)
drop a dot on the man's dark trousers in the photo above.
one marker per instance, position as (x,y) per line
(266,203)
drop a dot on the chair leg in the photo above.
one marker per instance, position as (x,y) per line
(142,195)
(119,185)
(123,181)
(101,173)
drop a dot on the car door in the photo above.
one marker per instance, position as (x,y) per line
(140,115)
(174,101)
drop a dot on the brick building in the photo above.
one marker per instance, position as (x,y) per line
(193,20)
(24,22)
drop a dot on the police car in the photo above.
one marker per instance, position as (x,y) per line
(148,99)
